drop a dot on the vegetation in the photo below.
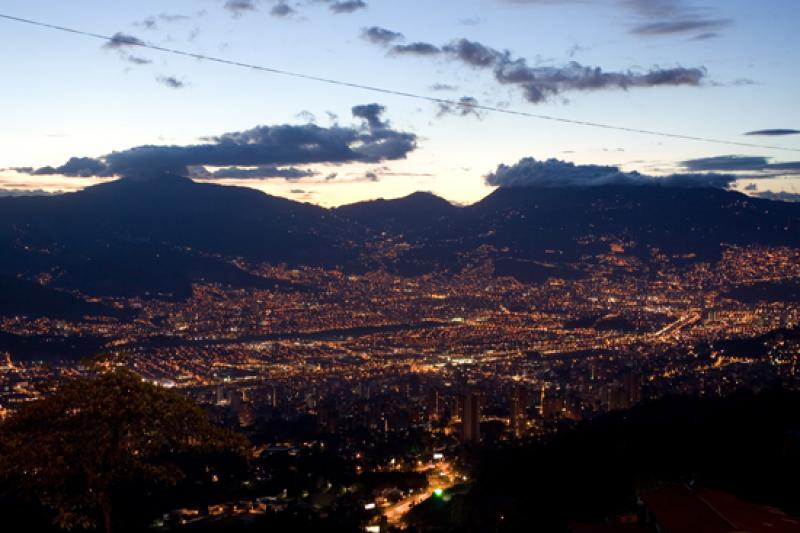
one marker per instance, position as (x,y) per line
(75,450)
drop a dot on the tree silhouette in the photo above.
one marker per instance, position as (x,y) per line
(70,448)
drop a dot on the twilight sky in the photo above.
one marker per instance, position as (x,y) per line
(708,68)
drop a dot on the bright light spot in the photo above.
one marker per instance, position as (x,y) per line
(438,493)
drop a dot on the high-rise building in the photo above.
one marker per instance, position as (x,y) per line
(633,387)
(519,406)
(471,419)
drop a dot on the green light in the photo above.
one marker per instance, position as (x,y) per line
(438,493)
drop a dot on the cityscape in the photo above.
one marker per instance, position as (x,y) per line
(345,266)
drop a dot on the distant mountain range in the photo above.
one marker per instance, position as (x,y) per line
(156,237)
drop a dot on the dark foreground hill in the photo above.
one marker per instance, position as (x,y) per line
(746,444)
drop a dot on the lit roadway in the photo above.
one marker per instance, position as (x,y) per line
(683,321)
(436,481)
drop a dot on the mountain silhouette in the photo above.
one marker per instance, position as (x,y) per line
(155,237)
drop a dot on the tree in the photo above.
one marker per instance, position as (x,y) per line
(70,448)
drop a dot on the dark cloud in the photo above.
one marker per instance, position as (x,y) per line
(705,36)
(740,163)
(418,48)
(347,6)
(263,146)
(167,17)
(726,163)
(671,17)
(443,87)
(76,167)
(281,9)
(381,36)
(238,7)
(26,192)
(252,173)
(475,54)
(138,60)
(122,40)
(529,172)
(790,166)
(781,196)
(372,114)
(705,26)
(171,81)
(465,106)
(540,83)
(774,132)
(151,22)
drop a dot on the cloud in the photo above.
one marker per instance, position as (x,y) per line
(465,106)
(781,196)
(255,173)
(673,17)
(740,163)
(171,81)
(76,167)
(347,6)
(774,132)
(372,114)
(238,7)
(281,9)
(705,36)
(727,163)
(418,48)
(138,60)
(657,17)
(707,27)
(443,87)
(540,83)
(381,36)
(529,172)
(26,192)
(151,22)
(285,145)
(475,54)
(121,43)
(122,40)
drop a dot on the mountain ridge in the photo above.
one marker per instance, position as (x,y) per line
(157,237)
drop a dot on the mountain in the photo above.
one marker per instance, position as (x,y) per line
(674,220)
(156,237)
(410,214)
(533,233)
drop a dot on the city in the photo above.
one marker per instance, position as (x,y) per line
(352,266)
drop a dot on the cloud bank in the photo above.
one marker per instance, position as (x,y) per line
(741,163)
(774,132)
(261,149)
(530,172)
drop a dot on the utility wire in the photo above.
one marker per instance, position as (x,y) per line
(384,90)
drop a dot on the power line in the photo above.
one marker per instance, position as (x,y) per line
(384,90)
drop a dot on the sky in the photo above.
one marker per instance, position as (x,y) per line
(706,68)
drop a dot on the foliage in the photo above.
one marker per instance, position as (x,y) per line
(71,448)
